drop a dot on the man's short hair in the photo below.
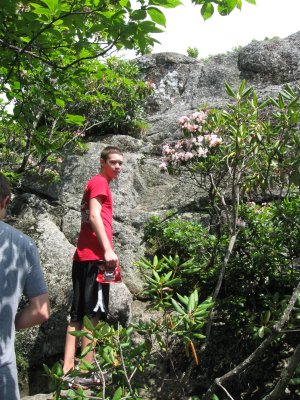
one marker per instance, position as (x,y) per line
(4,187)
(110,150)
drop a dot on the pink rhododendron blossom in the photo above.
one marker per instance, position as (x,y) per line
(199,116)
(202,152)
(213,140)
(167,149)
(188,156)
(179,144)
(192,127)
(183,120)
(195,144)
(163,166)
(151,85)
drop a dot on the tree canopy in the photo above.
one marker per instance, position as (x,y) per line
(59,34)
(51,50)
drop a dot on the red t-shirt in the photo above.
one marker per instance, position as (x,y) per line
(88,246)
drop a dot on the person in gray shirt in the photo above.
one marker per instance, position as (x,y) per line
(20,273)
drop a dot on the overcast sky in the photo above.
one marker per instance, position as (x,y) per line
(186,28)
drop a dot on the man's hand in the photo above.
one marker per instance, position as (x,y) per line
(111,259)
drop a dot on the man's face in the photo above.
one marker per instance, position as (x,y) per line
(112,167)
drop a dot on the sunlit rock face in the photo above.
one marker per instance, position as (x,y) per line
(50,213)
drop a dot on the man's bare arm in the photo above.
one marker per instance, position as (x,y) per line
(37,311)
(97,225)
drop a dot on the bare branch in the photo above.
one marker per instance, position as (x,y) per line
(286,374)
(260,349)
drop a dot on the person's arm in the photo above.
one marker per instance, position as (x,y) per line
(37,311)
(95,206)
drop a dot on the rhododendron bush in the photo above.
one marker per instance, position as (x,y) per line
(239,156)
(251,146)
(197,143)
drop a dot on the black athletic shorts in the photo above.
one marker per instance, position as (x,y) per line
(85,291)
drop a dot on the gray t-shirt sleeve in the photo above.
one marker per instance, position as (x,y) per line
(35,284)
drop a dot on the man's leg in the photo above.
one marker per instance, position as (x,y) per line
(71,346)
(85,341)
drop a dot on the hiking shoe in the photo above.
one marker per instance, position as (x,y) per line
(87,381)
(69,380)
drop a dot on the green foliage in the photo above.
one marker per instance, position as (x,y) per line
(264,261)
(224,7)
(106,97)
(238,156)
(53,89)
(258,149)
(192,242)
(115,356)
(192,52)
(119,355)
(183,318)
(268,248)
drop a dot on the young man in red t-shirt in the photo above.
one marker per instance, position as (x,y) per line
(94,244)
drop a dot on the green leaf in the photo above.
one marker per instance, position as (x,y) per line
(226,7)
(75,119)
(168,276)
(177,307)
(51,4)
(138,15)
(201,313)
(247,92)
(57,369)
(150,280)
(174,281)
(267,317)
(38,9)
(281,101)
(191,304)
(148,27)
(251,1)
(229,90)
(165,3)
(184,300)
(196,297)
(157,16)
(207,11)
(242,86)
(88,324)
(77,333)
(86,350)
(261,332)
(118,394)
(199,336)
(59,102)
(156,276)
(47,369)
(88,366)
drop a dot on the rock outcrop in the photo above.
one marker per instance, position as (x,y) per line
(50,213)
